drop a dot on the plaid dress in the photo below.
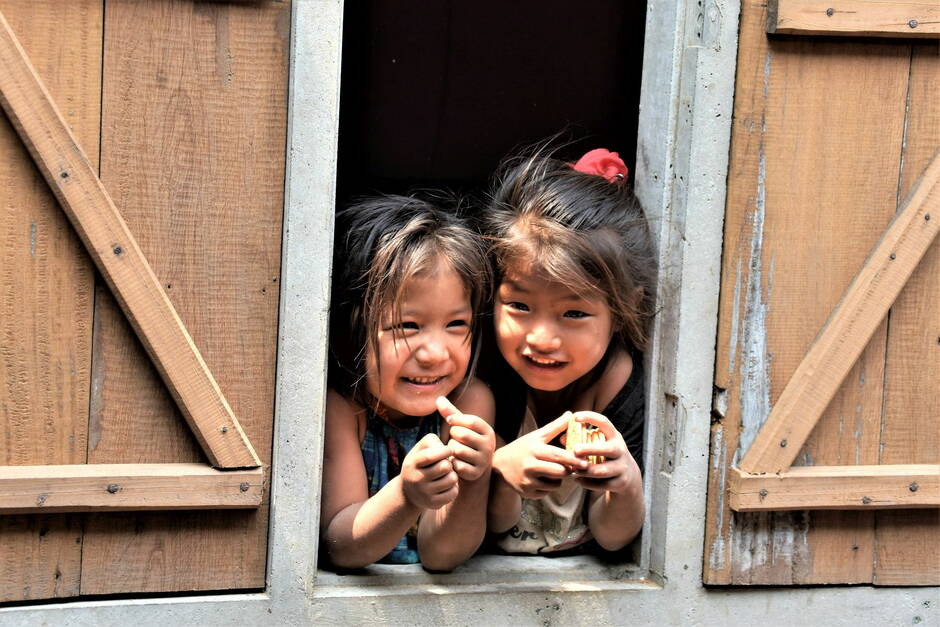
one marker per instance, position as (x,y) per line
(383,450)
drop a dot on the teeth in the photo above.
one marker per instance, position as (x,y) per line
(424,380)
(543,362)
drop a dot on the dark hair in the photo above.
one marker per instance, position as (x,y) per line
(577,229)
(380,244)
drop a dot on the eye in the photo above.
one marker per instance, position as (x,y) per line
(458,324)
(514,304)
(403,326)
(576,314)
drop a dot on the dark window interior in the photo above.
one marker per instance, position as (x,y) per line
(435,93)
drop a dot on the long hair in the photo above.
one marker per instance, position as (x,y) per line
(380,244)
(578,229)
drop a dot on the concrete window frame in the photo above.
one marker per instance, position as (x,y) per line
(682,163)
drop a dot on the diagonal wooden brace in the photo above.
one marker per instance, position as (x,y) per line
(848,329)
(119,259)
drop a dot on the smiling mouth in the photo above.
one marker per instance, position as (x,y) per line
(544,362)
(427,381)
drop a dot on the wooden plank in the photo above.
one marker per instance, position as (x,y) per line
(848,329)
(47,287)
(197,101)
(838,487)
(856,18)
(123,487)
(908,542)
(801,171)
(117,255)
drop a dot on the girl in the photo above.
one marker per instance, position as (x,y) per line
(574,269)
(406,474)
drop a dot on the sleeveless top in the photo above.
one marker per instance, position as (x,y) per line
(383,450)
(558,521)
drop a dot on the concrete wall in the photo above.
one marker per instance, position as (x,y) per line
(682,164)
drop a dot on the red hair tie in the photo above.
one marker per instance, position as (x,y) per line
(602,162)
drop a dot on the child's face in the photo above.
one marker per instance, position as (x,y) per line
(550,335)
(424,354)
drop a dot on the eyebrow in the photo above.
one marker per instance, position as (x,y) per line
(462,311)
(571,296)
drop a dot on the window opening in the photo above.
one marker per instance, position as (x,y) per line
(434,95)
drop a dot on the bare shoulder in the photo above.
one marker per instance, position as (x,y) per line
(343,416)
(615,376)
(475,398)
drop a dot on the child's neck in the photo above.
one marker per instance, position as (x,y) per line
(548,405)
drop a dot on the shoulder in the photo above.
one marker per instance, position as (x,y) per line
(475,398)
(611,382)
(343,415)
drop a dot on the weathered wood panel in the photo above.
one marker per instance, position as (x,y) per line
(816,146)
(47,283)
(193,132)
(908,542)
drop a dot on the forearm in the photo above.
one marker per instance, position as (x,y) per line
(505,506)
(448,536)
(615,518)
(363,533)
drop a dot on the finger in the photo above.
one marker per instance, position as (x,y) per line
(600,471)
(440,500)
(430,440)
(558,455)
(443,483)
(608,450)
(598,420)
(437,467)
(466,437)
(540,469)
(466,470)
(553,429)
(445,407)
(469,422)
(464,452)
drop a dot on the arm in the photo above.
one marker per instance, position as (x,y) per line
(357,530)
(616,511)
(447,537)
(528,467)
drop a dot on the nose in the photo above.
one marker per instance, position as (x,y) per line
(432,351)
(543,338)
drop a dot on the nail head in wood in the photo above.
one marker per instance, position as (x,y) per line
(866,500)
(927,217)
(763,492)
(113,488)
(912,23)
(893,256)
(64,175)
(783,444)
(243,486)
(118,250)
(830,11)
(224,429)
(913,487)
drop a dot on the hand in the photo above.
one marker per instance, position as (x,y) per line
(472,441)
(618,472)
(428,478)
(532,466)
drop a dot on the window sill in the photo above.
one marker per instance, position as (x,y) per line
(486,574)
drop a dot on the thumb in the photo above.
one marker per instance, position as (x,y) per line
(555,428)
(445,407)
(429,441)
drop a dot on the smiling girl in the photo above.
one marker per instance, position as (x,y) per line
(406,474)
(574,266)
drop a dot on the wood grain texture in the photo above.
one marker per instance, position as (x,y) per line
(908,542)
(47,282)
(811,188)
(848,330)
(123,487)
(193,149)
(894,486)
(856,18)
(114,249)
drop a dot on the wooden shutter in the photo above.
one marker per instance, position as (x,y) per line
(191,118)
(828,139)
